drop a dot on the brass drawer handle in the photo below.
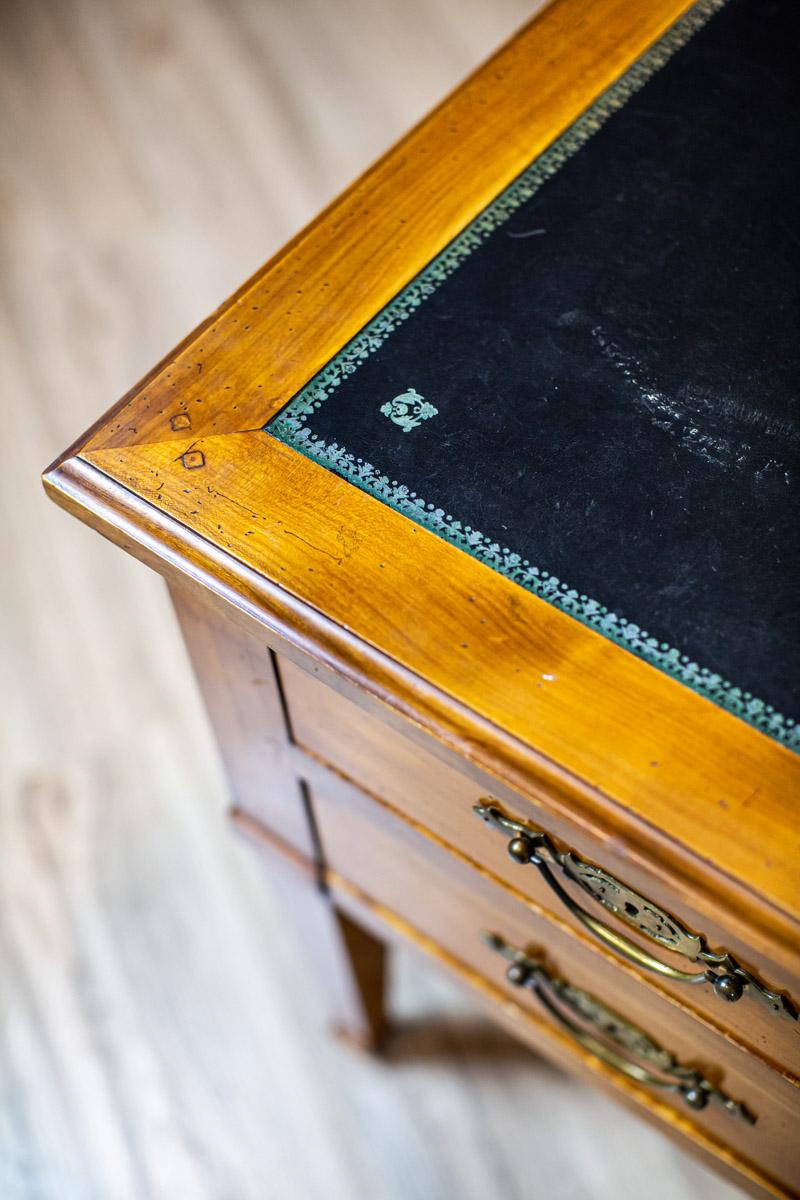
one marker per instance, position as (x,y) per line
(728,978)
(570,1005)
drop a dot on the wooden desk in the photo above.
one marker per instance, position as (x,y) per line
(403,688)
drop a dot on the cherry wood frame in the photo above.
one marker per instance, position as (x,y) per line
(182,475)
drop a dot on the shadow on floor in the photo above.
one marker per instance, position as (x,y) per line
(426,1039)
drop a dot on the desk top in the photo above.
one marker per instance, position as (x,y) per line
(594,388)
(555,436)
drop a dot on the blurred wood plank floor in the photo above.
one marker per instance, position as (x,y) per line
(158,1035)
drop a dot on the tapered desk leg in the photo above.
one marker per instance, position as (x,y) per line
(348,963)
(238,678)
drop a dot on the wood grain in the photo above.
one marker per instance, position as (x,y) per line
(237,677)
(493,672)
(440,798)
(528,1028)
(159,1034)
(451,902)
(614,740)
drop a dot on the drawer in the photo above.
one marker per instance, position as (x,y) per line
(441,798)
(454,906)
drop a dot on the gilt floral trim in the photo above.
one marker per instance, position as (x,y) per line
(289,426)
(548,587)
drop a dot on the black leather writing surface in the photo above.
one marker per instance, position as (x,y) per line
(594,389)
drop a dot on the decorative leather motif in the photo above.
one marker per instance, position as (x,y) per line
(408,410)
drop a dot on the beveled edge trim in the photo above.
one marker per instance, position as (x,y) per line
(244,502)
(169,547)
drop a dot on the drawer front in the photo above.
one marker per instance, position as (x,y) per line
(443,799)
(456,906)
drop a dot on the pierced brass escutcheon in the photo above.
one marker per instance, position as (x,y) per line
(728,978)
(610,1036)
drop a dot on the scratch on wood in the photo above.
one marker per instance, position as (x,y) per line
(753,795)
(224,496)
(319,549)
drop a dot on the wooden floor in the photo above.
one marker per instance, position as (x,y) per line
(158,1035)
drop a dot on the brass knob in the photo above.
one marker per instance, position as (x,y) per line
(521,849)
(518,974)
(608,1035)
(729,979)
(729,987)
(696,1097)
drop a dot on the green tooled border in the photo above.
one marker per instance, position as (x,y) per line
(289,425)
